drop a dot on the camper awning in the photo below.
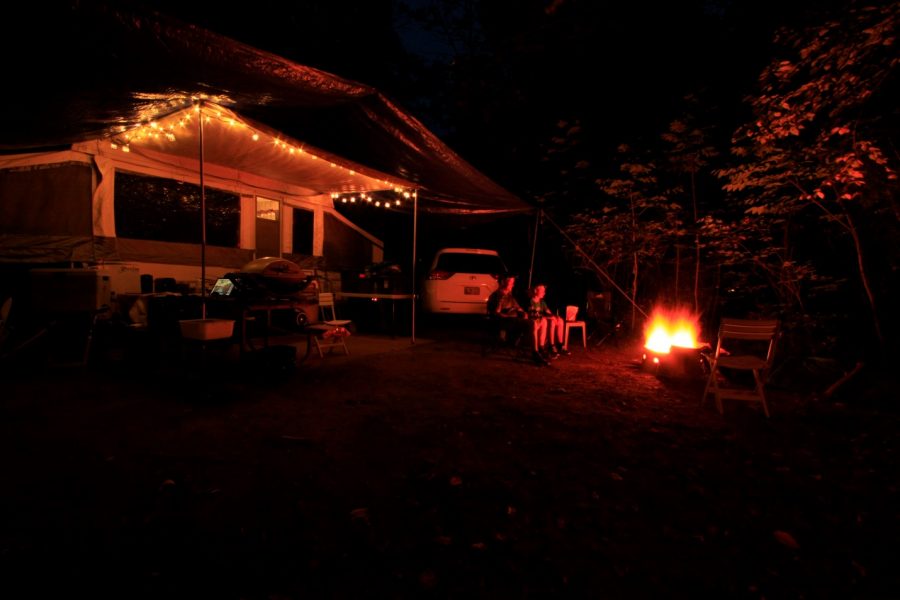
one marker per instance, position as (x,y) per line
(114,71)
(241,146)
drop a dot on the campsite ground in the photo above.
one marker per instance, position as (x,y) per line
(430,470)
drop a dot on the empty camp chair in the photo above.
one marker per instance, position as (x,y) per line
(743,345)
(330,337)
(327,311)
(571,323)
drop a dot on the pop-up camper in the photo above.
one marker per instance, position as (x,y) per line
(111,152)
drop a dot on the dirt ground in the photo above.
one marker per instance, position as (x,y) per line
(428,470)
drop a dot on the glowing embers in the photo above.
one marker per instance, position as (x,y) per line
(671,345)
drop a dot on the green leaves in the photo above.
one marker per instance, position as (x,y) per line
(814,149)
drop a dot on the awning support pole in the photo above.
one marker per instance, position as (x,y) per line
(413,282)
(202,220)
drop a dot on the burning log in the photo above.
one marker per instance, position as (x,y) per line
(671,346)
(679,363)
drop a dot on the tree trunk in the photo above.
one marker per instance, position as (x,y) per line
(677,272)
(854,234)
(634,284)
(634,267)
(696,246)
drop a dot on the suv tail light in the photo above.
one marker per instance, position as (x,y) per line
(440,275)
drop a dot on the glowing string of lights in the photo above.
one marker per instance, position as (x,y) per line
(377,200)
(177,125)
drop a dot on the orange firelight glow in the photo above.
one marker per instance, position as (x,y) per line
(667,328)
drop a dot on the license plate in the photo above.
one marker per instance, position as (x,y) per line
(473,291)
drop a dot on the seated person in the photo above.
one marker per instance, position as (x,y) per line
(553,325)
(502,305)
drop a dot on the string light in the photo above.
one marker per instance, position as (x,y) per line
(177,125)
(389,199)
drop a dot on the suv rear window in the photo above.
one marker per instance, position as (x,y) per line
(470,263)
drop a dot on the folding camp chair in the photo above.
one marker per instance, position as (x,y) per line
(751,347)
(331,337)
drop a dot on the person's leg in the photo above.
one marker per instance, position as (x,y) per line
(537,333)
(560,334)
(549,341)
(541,341)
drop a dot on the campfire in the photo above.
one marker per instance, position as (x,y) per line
(671,344)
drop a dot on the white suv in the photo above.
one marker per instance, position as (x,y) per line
(460,280)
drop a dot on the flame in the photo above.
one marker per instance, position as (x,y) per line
(667,328)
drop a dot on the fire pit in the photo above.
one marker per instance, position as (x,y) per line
(680,363)
(671,348)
